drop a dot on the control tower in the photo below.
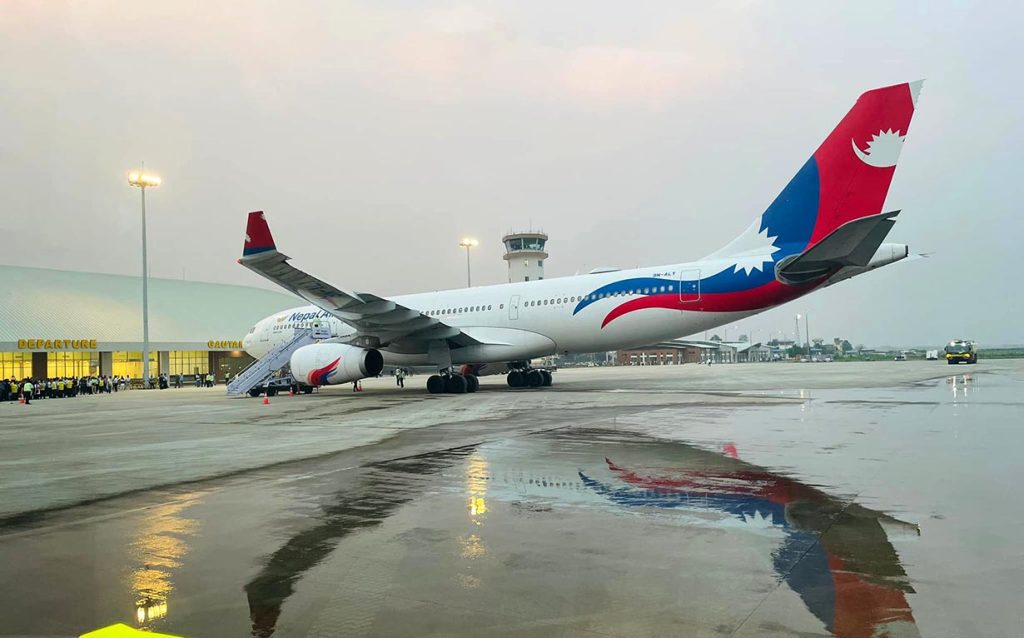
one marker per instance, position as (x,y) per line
(525,255)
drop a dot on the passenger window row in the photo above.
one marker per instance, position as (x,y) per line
(596,296)
(553,302)
(458,311)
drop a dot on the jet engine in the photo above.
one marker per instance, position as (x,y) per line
(334,363)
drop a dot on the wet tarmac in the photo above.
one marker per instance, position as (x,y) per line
(855,511)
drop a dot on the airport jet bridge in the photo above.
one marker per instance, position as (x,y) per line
(259,376)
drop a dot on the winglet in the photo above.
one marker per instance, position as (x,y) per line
(257,235)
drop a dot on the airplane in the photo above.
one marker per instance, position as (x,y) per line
(826,225)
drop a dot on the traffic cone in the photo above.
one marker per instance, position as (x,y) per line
(291,392)
(266,400)
(21,398)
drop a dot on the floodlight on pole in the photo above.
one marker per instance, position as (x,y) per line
(467,243)
(142,181)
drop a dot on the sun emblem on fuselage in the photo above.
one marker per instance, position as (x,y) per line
(883,149)
(753,249)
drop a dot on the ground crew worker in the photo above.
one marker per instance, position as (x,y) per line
(26,390)
(400,377)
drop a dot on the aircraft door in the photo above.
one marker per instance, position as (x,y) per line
(320,329)
(513,307)
(689,285)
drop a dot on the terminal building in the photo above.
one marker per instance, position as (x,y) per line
(56,323)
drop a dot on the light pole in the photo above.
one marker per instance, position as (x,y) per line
(796,341)
(467,243)
(807,333)
(143,181)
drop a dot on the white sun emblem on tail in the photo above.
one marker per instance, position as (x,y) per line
(883,150)
(753,249)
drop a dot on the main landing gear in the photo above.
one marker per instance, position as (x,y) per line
(527,377)
(452,383)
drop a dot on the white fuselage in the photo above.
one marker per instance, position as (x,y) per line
(525,320)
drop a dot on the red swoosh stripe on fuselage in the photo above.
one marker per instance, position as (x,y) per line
(770,294)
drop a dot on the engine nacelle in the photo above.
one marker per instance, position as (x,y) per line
(334,363)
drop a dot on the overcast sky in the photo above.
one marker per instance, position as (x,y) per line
(376,134)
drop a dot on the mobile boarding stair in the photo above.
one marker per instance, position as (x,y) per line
(260,375)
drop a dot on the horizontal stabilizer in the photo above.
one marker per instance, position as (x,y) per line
(852,244)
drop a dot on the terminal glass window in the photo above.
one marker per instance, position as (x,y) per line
(15,365)
(72,364)
(188,362)
(130,364)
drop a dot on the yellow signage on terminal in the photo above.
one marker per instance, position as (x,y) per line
(224,345)
(56,344)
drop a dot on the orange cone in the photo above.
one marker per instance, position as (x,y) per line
(21,398)
(291,392)
(266,400)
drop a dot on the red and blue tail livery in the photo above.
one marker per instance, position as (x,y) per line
(847,178)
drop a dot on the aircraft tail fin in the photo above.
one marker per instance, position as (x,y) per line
(257,235)
(847,178)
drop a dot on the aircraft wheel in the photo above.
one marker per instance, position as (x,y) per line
(436,384)
(516,379)
(271,392)
(456,384)
(472,383)
(547,378)
(307,389)
(535,378)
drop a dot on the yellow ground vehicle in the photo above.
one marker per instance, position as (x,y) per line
(961,351)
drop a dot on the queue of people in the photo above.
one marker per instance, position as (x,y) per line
(60,387)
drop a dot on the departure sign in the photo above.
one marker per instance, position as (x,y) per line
(56,344)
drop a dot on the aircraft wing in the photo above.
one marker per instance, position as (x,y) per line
(378,322)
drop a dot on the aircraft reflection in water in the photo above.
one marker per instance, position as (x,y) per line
(158,550)
(384,488)
(834,554)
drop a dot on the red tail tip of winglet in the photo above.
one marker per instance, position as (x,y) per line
(257,235)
